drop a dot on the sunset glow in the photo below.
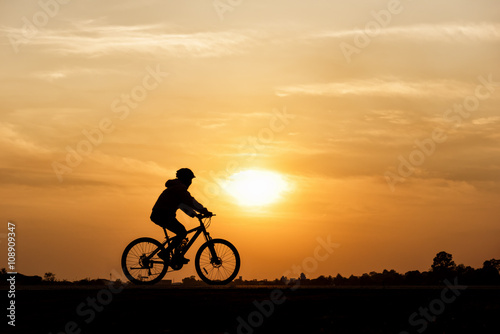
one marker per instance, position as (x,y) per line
(256,188)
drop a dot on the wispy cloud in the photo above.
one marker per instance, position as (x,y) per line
(11,139)
(63,73)
(486,120)
(430,32)
(127,165)
(90,39)
(380,87)
(392,116)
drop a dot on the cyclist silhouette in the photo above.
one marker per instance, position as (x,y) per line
(176,196)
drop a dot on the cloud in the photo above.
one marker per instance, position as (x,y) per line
(380,87)
(392,116)
(64,73)
(486,120)
(458,32)
(90,39)
(12,140)
(127,165)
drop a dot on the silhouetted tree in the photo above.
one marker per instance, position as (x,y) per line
(492,264)
(413,277)
(489,273)
(391,277)
(276,281)
(339,280)
(465,274)
(189,280)
(365,279)
(443,261)
(322,280)
(353,280)
(49,277)
(443,267)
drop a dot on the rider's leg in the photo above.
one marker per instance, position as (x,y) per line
(180,232)
(169,222)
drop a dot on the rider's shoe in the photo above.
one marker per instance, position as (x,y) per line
(184,260)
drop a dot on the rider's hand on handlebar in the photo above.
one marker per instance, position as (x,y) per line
(207,213)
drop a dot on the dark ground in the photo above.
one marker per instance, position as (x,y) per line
(233,310)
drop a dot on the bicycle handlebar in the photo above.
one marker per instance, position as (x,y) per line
(201,216)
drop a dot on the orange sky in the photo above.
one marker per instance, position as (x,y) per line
(381,115)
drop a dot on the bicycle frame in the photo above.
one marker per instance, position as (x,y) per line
(197,230)
(146,260)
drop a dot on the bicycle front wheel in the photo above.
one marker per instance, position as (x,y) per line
(138,264)
(217,262)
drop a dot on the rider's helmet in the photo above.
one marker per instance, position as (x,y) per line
(185,173)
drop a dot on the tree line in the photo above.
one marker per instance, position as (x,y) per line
(443,267)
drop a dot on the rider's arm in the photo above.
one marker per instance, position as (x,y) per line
(187,210)
(198,207)
(190,205)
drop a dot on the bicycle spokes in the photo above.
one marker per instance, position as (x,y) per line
(218,262)
(141,263)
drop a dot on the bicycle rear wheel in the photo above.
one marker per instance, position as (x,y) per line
(217,262)
(139,266)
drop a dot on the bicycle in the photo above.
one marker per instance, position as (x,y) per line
(217,261)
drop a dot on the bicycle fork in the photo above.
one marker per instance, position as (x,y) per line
(214,259)
(211,248)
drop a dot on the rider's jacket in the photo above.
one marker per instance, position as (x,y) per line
(177,196)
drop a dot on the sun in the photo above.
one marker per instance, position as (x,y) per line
(256,187)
